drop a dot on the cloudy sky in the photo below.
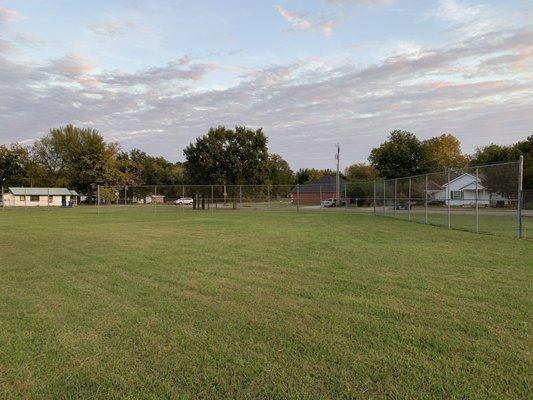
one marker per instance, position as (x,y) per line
(156,74)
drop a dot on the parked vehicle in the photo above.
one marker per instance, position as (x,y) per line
(332,203)
(185,201)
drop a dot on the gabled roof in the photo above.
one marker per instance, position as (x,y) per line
(32,191)
(459,177)
(472,186)
(325,184)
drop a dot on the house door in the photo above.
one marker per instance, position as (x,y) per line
(64,201)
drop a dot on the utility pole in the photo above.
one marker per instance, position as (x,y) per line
(337,178)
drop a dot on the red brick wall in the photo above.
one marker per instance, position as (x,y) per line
(308,199)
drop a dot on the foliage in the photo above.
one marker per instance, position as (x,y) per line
(306,175)
(226,156)
(361,172)
(279,171)
(140,168)
(401,155)
(14,165)
(443,152)
(78,158)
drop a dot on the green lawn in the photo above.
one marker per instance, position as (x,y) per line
(230,304)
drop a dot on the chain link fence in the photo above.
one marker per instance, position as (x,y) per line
(484,199)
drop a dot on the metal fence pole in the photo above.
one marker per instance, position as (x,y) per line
(426,200)
(409,201)
(154,200)
(3,199)
(395,195)
(374,198)
(298,197)
(477,200)
(320,188)
(48,198)
(520,197)
(240,195)
(384,197)
(125,195)
(25,198)
(448,200)
(345,197)
(98,199)
(212,197)
(268,194)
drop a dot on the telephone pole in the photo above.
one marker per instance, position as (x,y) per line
(337,180)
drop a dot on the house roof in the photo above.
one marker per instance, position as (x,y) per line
(32,191)
(459,177)
(325,184)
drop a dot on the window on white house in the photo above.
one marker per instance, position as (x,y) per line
(22,198)
(50,199)
(34,198)
(457,195)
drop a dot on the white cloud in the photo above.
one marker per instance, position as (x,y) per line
(8,14)
(300,22)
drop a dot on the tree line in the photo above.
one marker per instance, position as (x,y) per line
(80,158)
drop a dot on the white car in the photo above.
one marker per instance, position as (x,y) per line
(185,201)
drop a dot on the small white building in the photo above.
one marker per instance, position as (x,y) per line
(39,197)
(462,192)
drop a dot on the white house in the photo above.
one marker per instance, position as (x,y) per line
(39,197)
(462,192)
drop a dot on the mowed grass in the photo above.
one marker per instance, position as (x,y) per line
(272,305)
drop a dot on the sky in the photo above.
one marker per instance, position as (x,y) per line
(312,73)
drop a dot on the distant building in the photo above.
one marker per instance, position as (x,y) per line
(462,192)
(314,192)
(39,197)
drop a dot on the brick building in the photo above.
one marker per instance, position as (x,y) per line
(314,192)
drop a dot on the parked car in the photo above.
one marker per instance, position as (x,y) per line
(185,201)
(332,203)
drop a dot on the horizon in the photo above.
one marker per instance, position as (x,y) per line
(156,76)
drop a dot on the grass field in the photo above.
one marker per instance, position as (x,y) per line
(233,304)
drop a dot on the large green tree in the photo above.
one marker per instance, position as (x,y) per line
(402,154)
(361,172)
(279,171)
(14,166)
(143,169)
(228,156)
(78,158)
(442,152)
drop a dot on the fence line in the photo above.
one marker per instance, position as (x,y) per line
(485,198)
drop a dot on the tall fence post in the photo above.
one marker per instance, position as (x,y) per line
(426,200)
(125,195)
(384,197)
(477,200)
(240,195)
(98,199)
(520,197)
(48,199)
(297,197)
(154,200)
(25,198)
(448,200)
(374,198)
(345,197)
(212,197)
(3,199)
(409,201)
(320,188)
(268,194)
(395,195)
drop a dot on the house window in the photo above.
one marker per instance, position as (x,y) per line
(22,198)
(50,199)
(34,198)
(457,195)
